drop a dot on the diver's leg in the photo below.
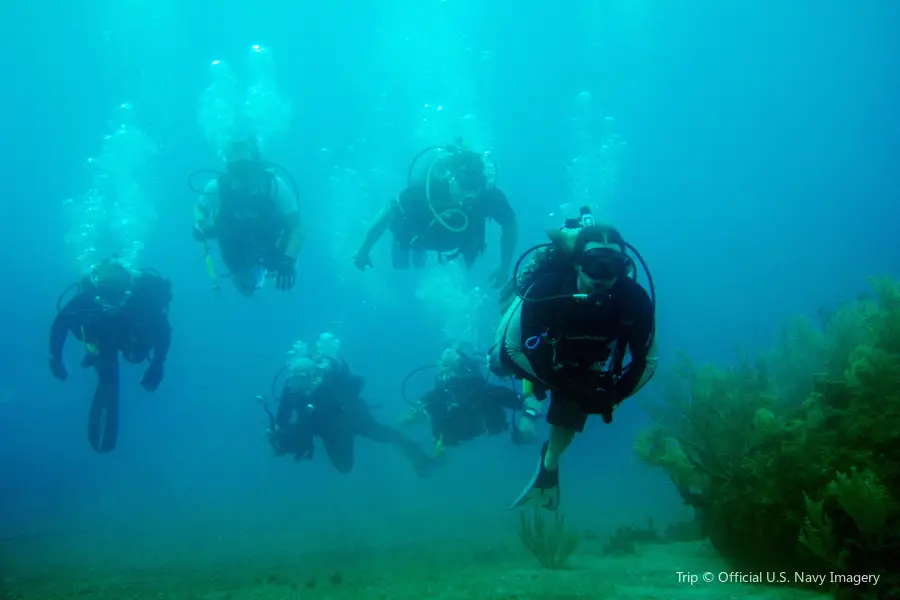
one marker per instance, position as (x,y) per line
(566,418)
(496,400)
(368,427)
(103,420)
(419,258)
(339,442)
(495,420)
(560,439)
(399,253)
(365,425)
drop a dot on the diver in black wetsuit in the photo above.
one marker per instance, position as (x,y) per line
(253,215)
(463,405)
(115,311)
(445,212)
(321,398)
(570,320)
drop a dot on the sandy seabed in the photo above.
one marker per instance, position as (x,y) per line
(442,571)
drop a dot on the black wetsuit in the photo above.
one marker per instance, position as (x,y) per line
(578,346)
(139,330)
(249,227)
(336,414)
(462,408)
(415,228)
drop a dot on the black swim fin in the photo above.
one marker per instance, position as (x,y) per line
(542,489)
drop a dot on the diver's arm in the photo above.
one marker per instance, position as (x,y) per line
(67,319)
(627,385)
(642,344)
(163,341)
(295,235)
(59,331)
(290,209)
(378,227)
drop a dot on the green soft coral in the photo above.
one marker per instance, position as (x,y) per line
(863,497)
(797,454)
(551,543)
(817,533)
(659,451)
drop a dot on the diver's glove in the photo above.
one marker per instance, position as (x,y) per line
(286,274)
(58,368)
(153,376)
(361,260)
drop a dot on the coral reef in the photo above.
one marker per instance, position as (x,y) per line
(792,461)
(626,538)
(552,544)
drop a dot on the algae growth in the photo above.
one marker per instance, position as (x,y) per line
(792,461)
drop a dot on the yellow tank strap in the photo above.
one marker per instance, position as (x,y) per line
(211,269)
(527,387)
(88,347)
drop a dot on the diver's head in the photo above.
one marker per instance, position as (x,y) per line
(450,364)
(243,160)
(304,378)
(328,345)
(467,176)
(600,259)
(112,284)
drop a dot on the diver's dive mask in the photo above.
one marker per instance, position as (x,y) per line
(604,264)
(245,169)
(111,286)
(306,377)
(467,176)
(113,302)
(305,383)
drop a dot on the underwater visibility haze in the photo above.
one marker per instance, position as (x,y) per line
(448,299)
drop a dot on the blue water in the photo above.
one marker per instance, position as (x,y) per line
(759,179)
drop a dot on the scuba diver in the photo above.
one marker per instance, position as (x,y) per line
(321,398)
(446,212)
(115,311)
(463,405)
(254,216)
(569,320)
